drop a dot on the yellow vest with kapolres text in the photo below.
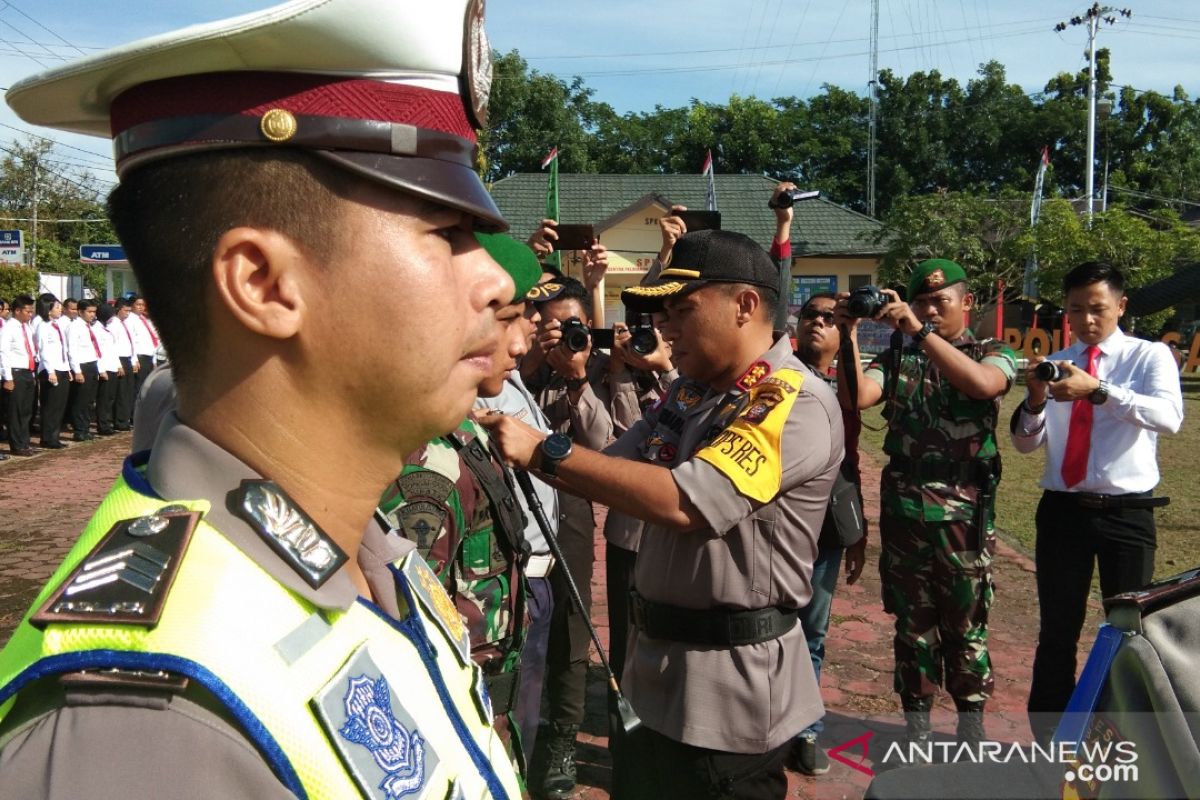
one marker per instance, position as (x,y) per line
(410,706)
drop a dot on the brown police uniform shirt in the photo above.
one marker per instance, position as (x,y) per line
(586,422)
(109,745)
(758,462)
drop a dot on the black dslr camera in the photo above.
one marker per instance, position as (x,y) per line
(643,340)
(865,301)
(1049,371)
(789,197)
(575,335)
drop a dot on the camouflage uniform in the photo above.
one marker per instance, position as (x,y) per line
(441,505)
(937,575)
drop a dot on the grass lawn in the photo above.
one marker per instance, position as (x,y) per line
(1178,523)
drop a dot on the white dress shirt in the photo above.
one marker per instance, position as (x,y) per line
(14,338)
(108,361)
(1144,400)
(52,348)
(80,349)
(143,341)
(122,337)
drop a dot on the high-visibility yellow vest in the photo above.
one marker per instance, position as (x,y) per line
(341,704)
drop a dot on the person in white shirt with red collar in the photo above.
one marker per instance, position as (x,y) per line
(145,341)
(118,326)
(1099,419)
(83,356)
(54,372)
(109,370)
(18,365)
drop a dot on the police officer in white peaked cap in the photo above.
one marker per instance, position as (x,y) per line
(233,621)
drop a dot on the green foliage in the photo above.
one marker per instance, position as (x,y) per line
(17,280)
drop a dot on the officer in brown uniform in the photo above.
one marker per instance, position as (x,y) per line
(732,472)
(231,622)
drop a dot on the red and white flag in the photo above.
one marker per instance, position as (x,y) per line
(707,168)
(553,154)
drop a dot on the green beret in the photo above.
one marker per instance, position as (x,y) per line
(934,274)
(516,258)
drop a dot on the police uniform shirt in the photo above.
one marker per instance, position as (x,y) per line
(516,401)
(1144,400)
(758,464)
(80,349)
(52,349)
(586,421)
(146,744)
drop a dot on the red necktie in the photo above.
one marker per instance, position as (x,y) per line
(28,349)
(95,343)
(150,331)
(1079,432)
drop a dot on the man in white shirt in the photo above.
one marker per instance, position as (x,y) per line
(18,365)
(145,341)
(4,315)
(83,355)
(1099,421)
(54,372)
(118,326)
(109,370)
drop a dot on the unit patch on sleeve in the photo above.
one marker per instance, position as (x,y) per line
(126,577)
(423,587)
(372,732)
(749,450)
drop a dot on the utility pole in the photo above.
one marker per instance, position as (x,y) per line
(1092,18)
(33,244)
(873,94)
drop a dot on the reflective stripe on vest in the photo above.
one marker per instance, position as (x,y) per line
(309,688)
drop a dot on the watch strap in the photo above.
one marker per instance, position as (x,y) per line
(921,335)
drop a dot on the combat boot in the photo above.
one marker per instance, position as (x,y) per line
(917,728)
(559,782)
(970,722)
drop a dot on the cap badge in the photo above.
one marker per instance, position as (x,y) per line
(278,125)
(477,63)
(544,291)
(678,272)
(935,279)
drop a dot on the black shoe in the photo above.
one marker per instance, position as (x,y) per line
(123,428)
(107,433)
(25,453)
(84,437)
(808,756)
(559,782)
(55,446)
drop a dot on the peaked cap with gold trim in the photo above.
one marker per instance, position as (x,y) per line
(389,90)
(700,258)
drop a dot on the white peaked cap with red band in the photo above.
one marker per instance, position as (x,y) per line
(390,89)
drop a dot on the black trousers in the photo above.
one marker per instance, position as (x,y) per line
(85,395)
(106,401)
(20,408)
(567,651)
(618,577)
(54,406)
(650,766)
(1071,539)
(126,385)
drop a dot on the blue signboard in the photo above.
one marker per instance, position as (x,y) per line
(10,238)
(102,254)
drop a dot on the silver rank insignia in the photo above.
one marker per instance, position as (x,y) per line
(126,576)
(374,735)
(288,530)
(422,586)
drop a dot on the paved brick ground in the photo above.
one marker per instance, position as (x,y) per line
(44,501)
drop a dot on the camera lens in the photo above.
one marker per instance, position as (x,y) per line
(1048,371)
(643,341)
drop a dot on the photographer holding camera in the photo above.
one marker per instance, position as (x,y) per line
(942,394)
(1113,395)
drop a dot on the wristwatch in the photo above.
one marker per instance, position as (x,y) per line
(554,448)
(575,384)
(1099,394)
(926,329)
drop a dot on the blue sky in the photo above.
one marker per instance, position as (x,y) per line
(636,54)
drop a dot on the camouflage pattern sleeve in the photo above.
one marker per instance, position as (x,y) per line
(1001,356)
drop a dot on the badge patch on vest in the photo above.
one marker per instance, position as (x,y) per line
(424,587)
(288,530)
(126,577)
(749,451)
(375,736)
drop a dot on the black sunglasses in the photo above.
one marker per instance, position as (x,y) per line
(810,314)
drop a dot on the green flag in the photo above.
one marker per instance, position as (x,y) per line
(552,201)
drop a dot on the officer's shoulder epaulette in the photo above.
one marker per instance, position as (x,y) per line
(126,577)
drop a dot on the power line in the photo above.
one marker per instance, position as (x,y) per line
(47,30)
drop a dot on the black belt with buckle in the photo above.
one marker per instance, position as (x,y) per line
(716,627)
(972,471)
(1100,501)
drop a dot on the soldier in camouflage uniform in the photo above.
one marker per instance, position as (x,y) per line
(456,501)
(942,395)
